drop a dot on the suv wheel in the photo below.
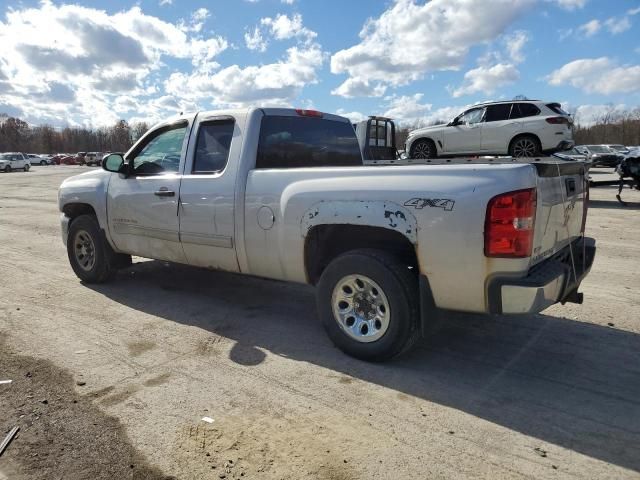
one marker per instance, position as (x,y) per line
(423,149)
(368,303)
(43,162)
(26,167)
(525,146)
(7,169)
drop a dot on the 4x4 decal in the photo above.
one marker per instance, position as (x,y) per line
(420,203)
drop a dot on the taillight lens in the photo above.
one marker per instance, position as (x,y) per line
(509,225)
(557,120)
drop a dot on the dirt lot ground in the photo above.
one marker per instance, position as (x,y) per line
(112,381)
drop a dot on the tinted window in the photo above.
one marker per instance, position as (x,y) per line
(161,153)
(555,107)
(212,147)
(472,116)
(498,112)
(294,142)
(520,110)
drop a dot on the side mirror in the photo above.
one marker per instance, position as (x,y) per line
(114,162)
(454,123)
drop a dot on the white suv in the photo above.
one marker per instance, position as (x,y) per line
(523,128)
(14,161)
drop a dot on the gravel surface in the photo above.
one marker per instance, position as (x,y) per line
(129,369)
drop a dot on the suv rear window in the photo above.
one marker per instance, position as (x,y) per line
(556,108)
(298,142)
(521,110)
(498,112)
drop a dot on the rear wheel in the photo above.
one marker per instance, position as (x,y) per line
(423,149)
(368,303)
(525,146)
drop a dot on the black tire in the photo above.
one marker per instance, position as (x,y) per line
(7,169)
(26,167)
(105,259)
(424,148)
(43,163)
(400,287)
(525,146)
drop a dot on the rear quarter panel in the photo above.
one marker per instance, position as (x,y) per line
(446,202)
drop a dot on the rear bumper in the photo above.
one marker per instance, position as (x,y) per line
(561,146)
(549,282)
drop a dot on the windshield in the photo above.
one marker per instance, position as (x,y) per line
(599,149)
(5,156)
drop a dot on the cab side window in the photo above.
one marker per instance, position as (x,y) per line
(212,146)
(161,153)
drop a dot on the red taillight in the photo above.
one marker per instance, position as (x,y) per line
(557,120)
(309,113)
(508,230)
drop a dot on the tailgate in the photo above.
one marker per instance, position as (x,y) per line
(562,196)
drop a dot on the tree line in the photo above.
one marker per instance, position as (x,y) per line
(611,127)
(18,136)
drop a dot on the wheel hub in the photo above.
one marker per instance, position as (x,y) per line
(360,308)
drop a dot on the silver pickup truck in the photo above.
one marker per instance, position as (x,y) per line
(284,194)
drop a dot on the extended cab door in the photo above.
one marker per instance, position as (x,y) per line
(142,207)
(207,204)
(464,133)
(498,128)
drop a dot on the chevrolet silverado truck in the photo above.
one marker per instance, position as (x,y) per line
(284,194)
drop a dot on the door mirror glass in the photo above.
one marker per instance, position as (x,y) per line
(114,162)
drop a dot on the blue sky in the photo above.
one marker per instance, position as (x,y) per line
(91,63)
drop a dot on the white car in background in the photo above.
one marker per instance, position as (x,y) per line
(14,161)
(523,128)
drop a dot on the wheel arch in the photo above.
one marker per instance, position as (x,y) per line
(525,134)
(427,138)
(326,240)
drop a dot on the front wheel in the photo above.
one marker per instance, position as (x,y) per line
(423,149)
(43,163)
(368,303)
(91,257)
(26,167)
(526,146)
(7,169)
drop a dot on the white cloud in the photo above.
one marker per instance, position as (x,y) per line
(487,79)
(617,25)
(165,2)
(355,87)
(283,27)
(273,84)
(597,75)
(515,43)
(255,41)
(95,58)
(587,115)
(410,39)
(288,2)
(589,29)
(354,117)
(569,4)
(196,22)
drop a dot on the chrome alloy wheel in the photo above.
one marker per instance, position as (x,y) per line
(525,147)
(84,250)
(360,308)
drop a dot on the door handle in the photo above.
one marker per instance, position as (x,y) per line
(164,192)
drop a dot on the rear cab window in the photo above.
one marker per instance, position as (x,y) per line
(299,142)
